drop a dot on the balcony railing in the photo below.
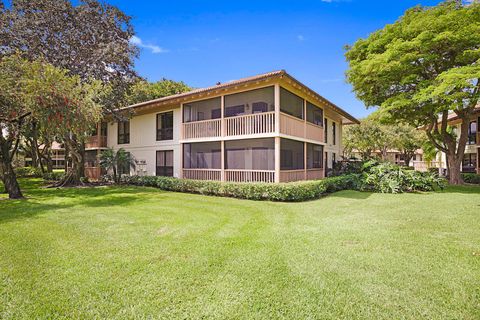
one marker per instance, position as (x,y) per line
(235,175)
(96,142)
(292,175)
(203,174)
(202,129)
(315,174)
(252,124)
(256,123)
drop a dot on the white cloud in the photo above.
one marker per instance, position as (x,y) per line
(153,48)
(300,37)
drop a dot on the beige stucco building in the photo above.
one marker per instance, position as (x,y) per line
(267,128)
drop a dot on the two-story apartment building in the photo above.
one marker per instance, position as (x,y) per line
(268,128)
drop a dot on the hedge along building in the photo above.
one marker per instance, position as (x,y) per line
(265,128)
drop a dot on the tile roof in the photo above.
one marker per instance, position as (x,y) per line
(268,75)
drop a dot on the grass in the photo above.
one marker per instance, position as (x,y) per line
(124,252)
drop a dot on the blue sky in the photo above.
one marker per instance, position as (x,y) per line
(203,42)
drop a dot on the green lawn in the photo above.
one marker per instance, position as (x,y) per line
(143,253)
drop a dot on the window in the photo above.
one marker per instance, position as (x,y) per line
(291,155)
(334,133)
(469,162)
(164,163)
(249,102)
(472,133)
(123,132)
(314,114)
(314,156)
(334,158)
(165,126)
(234,111)
(326,130)
(291,104)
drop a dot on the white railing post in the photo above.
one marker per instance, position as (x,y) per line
(277,159)
(277,108)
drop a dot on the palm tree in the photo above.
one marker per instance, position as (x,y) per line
(113,160)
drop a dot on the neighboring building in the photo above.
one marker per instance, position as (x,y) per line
(394,156)
(57,153)
(268,128)
(471,160)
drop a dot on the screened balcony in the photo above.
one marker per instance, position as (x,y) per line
(245,113)
(250,160)
(250,112)
(202,119)
(202,161)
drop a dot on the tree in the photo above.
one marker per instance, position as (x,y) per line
(144,91)
(407,140)
(90,40)
(365,138)
(424,65)
(62,105)
(113,160)
(13,111)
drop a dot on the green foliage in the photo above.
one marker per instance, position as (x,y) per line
(365,138)
(386,177)
(424,65)
(114,160)
(471,178)
(144,91)
(288,192)
(28,172)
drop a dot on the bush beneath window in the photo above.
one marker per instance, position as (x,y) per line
(471,178)
(287,192)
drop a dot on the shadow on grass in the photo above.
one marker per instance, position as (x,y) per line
(42,200)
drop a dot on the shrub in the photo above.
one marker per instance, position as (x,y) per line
(28,172)
(296,191)
(386,177)
(471,178)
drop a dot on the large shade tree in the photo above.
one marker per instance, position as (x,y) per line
(91,40)
(63,106)
(420,69)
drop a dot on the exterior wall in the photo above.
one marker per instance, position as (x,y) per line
(143,145)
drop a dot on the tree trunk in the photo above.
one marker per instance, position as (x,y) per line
(454,163)
(9,179)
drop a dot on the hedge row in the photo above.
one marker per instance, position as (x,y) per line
(287,192)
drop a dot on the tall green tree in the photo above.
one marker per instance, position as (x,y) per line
(421,68)
(143,91)
(91,40)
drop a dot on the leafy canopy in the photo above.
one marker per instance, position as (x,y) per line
(425,63)
(143,91)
